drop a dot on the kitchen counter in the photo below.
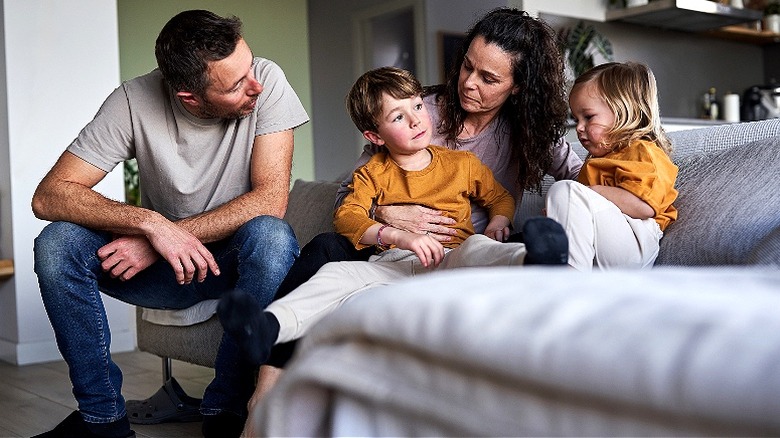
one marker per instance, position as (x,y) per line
(670,124)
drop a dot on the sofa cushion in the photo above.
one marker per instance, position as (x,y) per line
(310,208)
(194,314)
(767,251)
(704,141)
(728,202)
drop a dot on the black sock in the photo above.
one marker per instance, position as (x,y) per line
(516,237)
(254,330)
(281,354)
(115,429)
(545,242)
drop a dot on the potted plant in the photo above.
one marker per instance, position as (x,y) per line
(772,17)
(580,44)
(132,186)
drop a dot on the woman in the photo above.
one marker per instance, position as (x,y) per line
(505,101)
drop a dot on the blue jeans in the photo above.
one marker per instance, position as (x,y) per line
(255,259)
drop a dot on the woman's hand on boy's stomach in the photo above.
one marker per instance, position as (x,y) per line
(417,219)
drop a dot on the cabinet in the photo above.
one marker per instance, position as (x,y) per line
(703,16)
(684,15)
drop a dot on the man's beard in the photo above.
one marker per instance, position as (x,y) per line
(210,111)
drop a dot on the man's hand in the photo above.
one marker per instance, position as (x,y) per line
(417,219)
(183,251)
(126,256)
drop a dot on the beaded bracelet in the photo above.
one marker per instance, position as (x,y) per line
(379,237)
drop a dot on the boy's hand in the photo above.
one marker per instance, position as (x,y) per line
(498,228)
(500,235)
(425,247)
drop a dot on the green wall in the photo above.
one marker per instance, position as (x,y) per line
(274,29)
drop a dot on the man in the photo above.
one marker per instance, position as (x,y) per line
(212,131)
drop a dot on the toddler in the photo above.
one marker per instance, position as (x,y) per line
(615,213)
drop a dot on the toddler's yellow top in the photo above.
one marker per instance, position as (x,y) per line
(641,168)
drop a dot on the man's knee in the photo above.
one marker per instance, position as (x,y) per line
(269,230)
(64,243)
(267,242)
(57,234)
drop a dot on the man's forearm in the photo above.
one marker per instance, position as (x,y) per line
(72,202)
(223,221)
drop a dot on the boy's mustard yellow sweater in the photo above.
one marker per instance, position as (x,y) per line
(449,183)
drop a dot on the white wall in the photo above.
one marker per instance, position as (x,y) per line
(61,60)
(450,16)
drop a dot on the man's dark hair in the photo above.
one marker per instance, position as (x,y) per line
(188,42)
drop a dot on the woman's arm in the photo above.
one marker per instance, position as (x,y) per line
(566,163)
(417,219)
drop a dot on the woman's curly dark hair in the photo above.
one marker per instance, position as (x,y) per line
(536,115)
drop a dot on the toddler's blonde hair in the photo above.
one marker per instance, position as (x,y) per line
(630,91)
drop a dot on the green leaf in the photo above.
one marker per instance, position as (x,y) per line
(579,45)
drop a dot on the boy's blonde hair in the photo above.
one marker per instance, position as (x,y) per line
(630,91)
(364,100)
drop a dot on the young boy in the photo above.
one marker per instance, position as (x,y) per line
(386,106)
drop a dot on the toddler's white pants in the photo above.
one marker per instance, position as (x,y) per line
(600,235)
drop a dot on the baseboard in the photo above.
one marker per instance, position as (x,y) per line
(39,352)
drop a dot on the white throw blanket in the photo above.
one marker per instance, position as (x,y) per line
(541,351)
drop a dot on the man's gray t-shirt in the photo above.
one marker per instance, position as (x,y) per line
(187,165)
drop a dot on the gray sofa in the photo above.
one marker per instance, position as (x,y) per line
(728,215)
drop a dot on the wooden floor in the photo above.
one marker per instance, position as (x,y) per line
(35,398)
